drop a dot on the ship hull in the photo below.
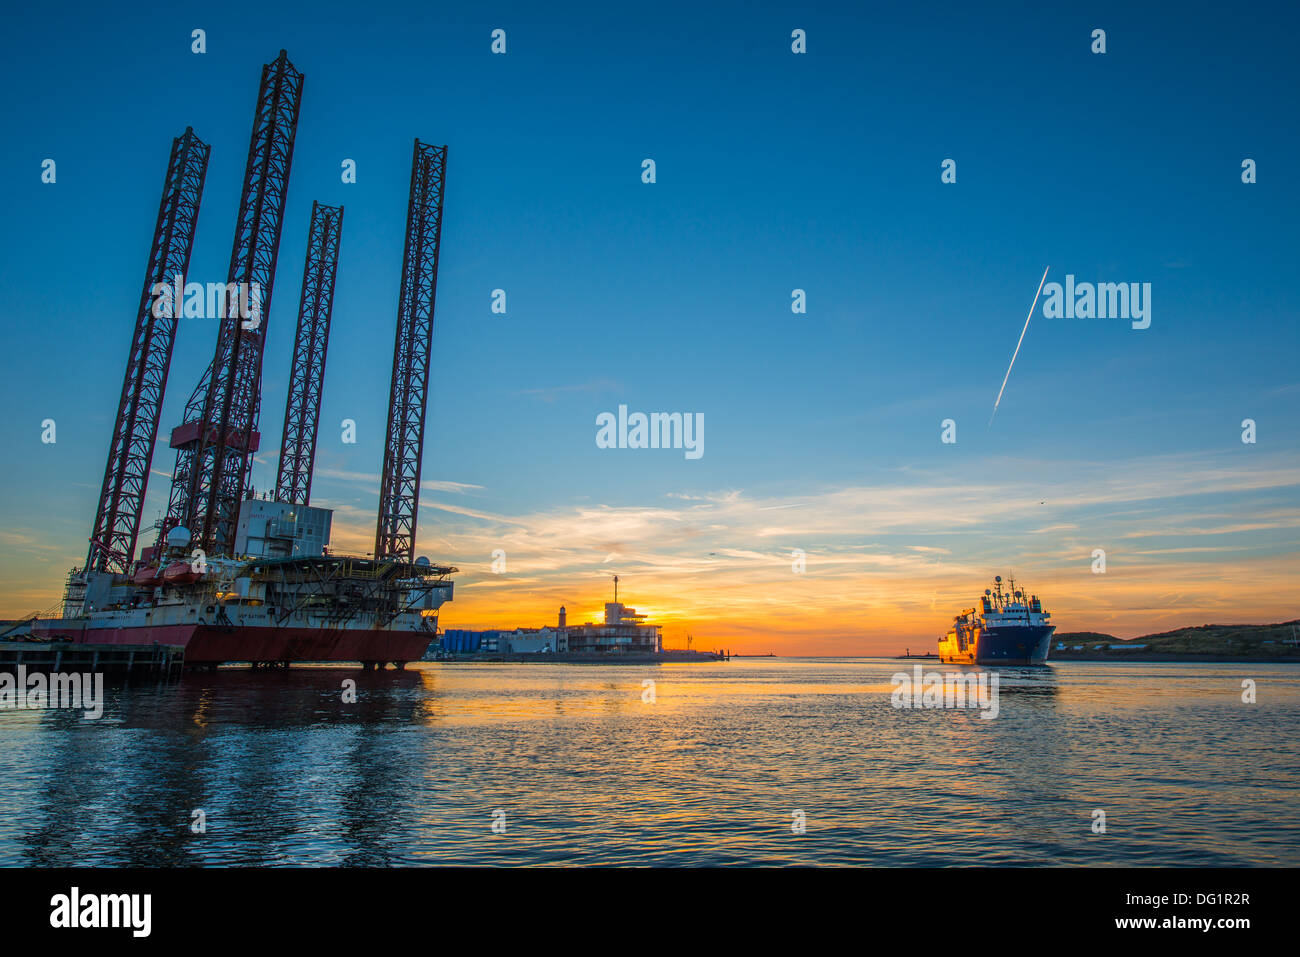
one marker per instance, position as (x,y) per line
(1014,645)
(214,644)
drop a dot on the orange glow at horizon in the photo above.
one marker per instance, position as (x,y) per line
(870,613)
(843,570)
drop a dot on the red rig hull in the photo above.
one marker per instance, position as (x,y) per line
(213,644)
(264,610)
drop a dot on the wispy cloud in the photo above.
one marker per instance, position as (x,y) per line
(883,563)
(369,481)
(551,394)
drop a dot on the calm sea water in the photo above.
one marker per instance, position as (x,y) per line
(710,773)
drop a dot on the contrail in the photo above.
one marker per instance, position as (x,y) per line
(1022,339)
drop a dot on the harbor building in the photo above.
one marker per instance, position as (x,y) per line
(623,631)
(521,641)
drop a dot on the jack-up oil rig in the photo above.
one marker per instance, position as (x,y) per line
(231,577)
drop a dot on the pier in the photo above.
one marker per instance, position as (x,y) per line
(59,656)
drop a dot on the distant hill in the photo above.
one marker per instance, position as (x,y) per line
(1219,641)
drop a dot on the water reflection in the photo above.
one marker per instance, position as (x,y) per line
(587,771)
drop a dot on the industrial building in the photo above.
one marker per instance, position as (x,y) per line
(622,632)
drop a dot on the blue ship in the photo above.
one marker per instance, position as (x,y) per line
(1010,628)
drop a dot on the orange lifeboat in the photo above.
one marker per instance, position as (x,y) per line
(148,577)
(180,573)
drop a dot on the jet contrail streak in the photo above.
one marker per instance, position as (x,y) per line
(1022,339)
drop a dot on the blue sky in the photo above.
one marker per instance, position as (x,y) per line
(774,171)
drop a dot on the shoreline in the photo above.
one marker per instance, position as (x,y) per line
(563,658)
(1175,656)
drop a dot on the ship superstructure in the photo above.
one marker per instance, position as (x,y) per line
(1009,627)
(267,611)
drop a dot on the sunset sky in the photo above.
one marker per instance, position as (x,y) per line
(775,172)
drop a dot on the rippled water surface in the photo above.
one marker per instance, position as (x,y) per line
(710,772)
